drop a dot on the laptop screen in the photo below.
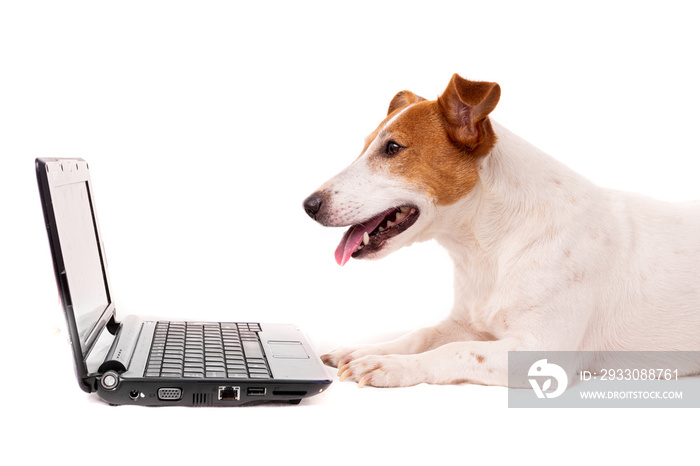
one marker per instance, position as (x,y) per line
(84,269)
(78,256)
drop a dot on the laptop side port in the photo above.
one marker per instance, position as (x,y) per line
(256,391)
(169,394)
(229,393)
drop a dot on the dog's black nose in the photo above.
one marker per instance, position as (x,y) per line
(312,204)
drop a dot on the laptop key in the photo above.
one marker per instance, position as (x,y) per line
(252,349)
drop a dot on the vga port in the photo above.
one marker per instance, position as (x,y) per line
(169,394)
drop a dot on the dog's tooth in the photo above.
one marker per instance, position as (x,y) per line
(365,239)
(400,216)
(381,229)
(389,224)
(404,209)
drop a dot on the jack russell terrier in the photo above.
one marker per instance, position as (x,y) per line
(544,259)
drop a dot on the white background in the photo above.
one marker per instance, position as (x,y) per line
(207,123)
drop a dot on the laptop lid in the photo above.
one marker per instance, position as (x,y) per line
(78,254)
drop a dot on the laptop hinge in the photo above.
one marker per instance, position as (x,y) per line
(113,325)
(122,349)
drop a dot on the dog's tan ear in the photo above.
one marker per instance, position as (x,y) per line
(402,99)
(465,106)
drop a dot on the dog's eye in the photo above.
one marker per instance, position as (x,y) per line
(393,148)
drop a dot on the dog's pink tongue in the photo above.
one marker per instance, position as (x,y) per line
(353,237)
(351,240)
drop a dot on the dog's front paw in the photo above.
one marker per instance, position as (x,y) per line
(341,356)
(383,371)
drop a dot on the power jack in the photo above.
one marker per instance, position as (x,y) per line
(134,394)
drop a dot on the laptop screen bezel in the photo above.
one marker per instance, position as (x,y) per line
(51,174)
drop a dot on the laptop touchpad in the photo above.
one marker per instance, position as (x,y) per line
(288,349)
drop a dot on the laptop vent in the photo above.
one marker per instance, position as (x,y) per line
(200,399)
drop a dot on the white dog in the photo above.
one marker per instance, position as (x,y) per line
(544,260)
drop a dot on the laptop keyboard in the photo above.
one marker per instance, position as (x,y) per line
(207,350)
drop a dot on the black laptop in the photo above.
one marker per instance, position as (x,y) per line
(157,362)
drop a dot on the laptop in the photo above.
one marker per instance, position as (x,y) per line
(154,362)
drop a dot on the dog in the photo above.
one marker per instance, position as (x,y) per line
(543,259)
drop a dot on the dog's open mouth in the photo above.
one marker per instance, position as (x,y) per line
(368,237)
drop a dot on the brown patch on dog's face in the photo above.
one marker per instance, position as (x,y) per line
(400,100)
(436,146)
(427,159)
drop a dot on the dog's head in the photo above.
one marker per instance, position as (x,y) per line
(425,154)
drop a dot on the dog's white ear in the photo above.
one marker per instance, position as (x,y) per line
(402,99)
(465,106)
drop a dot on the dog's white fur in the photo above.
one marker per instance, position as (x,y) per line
(544,260)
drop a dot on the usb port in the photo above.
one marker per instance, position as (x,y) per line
(256,391)
(229,393)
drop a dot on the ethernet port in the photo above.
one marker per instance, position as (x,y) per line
(229,393)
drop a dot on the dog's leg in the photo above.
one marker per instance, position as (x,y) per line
(425,339)
(482,362)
